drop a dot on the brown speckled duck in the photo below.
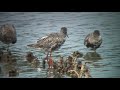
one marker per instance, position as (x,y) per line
(51,43)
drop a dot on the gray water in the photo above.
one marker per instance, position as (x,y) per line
(30,26)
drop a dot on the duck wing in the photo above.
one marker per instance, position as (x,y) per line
(51,41)
(98,43)
(86,40)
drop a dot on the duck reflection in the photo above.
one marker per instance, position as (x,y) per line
(0,70)
(7,57)
(8,64)
(1,55)
(9,70)
(92,56)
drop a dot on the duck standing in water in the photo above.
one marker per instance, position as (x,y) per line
(93,40)
(8,34)
(51,43)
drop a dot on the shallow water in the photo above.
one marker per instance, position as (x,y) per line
(30,26)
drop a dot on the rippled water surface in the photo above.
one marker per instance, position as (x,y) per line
(30,26)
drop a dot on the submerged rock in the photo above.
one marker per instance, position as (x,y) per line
(33,60)
(13,72)
(77,54)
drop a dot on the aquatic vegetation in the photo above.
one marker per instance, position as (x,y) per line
(70,67)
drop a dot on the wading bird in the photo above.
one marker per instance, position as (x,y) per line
(8,34)
(93,40)
(51,42)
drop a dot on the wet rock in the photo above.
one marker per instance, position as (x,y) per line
(30,57)
(73,74)
(33,60)
(13,72)
(71,67)
(35,63)
(77,54)
(58,75)
(79,64)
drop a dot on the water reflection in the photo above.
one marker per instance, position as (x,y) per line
(8,64)
(9,70)
(0,70)
(92,56)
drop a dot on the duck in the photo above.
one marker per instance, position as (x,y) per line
(93,40)
(50,43)
(8,34)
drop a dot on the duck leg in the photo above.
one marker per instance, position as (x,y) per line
(50,62)
(46,58)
